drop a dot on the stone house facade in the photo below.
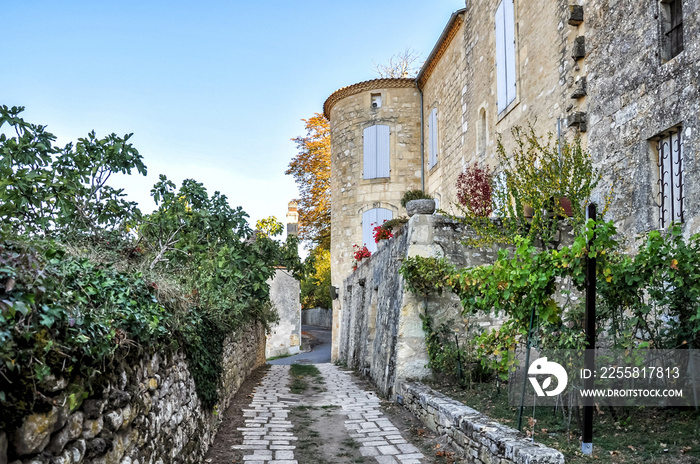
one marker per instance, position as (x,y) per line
(624,76)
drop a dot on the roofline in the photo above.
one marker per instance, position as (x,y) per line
(381,83)
(446,37)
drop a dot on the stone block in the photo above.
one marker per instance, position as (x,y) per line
(35,432)
(69,432)
(575,15)
(579,120)
(579,48)
(581,89)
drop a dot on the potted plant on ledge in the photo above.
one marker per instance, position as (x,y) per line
(418,202)
(359,254)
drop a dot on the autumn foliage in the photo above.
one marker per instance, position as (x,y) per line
(311,169)
(475,190)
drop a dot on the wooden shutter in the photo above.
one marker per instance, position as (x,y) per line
(432,138)
(509,14)
(505,54)
(383,151)
(501,65)
(370,152)
(377,151)
(371,219)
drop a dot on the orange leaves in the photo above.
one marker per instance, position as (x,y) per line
(311,169)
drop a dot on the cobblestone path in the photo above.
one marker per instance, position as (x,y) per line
(269,435)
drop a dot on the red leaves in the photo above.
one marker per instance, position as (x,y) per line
(475,190)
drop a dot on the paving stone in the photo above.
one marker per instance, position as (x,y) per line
(368,451)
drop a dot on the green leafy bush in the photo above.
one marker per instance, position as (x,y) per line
(85,278)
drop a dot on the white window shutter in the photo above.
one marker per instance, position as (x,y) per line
(371,219)
(377,151)
(509,14)
(433,138)
(501,64)
(370,152)
(383,151)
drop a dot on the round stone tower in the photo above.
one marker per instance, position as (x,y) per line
(375,158)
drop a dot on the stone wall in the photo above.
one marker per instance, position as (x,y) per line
(319,317)
(147,413)
(463,85)
(381,331)
(633,97)
(476,436)
(284,338)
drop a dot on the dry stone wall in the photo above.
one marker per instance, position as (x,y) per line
(147,412)
(476,436)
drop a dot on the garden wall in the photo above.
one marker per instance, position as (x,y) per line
(473,434)
(381,329)
(319,317)
(147,413)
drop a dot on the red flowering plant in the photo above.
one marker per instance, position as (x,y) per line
(380,233)
(475,191)
(360,253)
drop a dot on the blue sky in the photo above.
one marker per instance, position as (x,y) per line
(212,90)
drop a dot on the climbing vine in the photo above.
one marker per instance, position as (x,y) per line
(633,292)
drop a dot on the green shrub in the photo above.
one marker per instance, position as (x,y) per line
(411,195)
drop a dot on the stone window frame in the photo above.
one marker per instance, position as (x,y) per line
(670,23)
(664,194)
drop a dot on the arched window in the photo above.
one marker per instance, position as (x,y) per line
(371,219)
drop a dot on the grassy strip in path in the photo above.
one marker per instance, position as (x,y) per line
(302,375)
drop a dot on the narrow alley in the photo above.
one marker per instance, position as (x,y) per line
(297,412)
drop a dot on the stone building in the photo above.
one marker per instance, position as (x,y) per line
(624,76)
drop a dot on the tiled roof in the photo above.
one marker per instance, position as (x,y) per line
(354,89)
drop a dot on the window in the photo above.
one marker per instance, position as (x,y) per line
(371,219)
(669,148)
(432,139)
(481,133)
(671,17)
(505,53)
(376,100)
(376,151)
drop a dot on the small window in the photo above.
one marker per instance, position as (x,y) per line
(376,146)
(371,219)
(671,18)
(505,54)
(432,139)
(669,148)
(481,133)
(376,100)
